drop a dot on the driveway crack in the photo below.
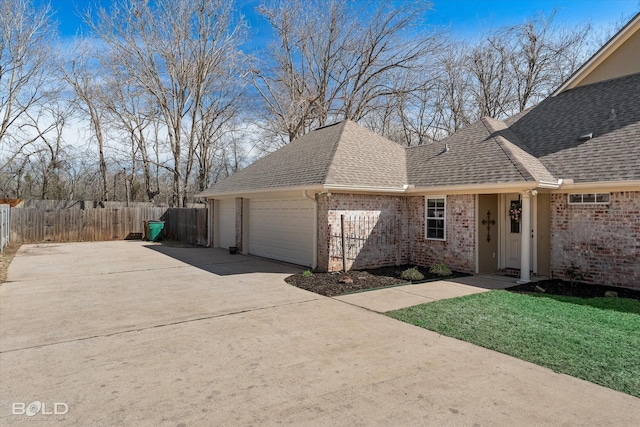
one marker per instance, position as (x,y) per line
(177,322)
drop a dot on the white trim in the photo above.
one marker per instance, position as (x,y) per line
(477,225)
(314,264)
(600,56)
(534,233)
(246,225)
(210,222)
(583,203)
(599,187)
(525,239)
(216,223)
(427,218)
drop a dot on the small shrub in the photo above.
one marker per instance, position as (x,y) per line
(412,274)
(307,273)
(575,273)
(440,269)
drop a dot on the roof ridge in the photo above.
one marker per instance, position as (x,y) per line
(502,143)
(330,163)
(518,153)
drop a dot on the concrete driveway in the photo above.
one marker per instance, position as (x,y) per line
(129,333)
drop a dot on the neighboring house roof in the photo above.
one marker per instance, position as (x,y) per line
(343,154)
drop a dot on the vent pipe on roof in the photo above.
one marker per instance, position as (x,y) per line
(585,136)
(446,148)
(612,114)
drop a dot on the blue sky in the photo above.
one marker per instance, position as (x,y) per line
(465,17)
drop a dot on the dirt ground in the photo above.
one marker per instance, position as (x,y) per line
(341,283)
(5,259)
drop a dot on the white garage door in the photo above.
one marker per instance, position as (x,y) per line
(282,229)
(227,223)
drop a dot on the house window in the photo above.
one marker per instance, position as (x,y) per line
(589,199)
(436,223)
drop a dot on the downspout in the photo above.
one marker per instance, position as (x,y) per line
(314,263)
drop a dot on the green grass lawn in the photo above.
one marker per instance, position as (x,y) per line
(596,339)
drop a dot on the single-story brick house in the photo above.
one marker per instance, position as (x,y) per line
(567,171)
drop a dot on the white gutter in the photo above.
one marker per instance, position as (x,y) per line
(476,188)
(550,184)
(248,193)
(603,185)
(366,189)
(314,263)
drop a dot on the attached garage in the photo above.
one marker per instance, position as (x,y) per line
(282,229)
(226,223)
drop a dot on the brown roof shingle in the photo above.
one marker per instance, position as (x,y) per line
(610,110)
(538,145)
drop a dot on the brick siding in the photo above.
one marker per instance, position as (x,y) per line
(458,250)
(406,243)
(382,230)
(603,240)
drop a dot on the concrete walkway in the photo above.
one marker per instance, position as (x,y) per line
(382,300)
(133,334)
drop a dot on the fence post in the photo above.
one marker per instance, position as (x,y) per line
(5,212)
(342,237)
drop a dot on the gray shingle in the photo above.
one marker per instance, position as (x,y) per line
(341,154)
(474,157)
(539,144)
(551,131)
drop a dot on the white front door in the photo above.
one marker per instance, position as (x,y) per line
(512,229)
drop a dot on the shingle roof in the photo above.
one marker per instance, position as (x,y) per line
(610,110)
(485,152)
(341,154)
(538,145)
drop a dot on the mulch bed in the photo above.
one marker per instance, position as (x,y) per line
(582,290)
(340,283)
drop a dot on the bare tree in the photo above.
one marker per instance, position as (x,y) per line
(82,77)
(543,56)
(48,126)
(453,105)
(336,60)
(172,49)
(133,113)
(492,83)
(24,50)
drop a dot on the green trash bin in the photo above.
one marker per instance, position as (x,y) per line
(154,231)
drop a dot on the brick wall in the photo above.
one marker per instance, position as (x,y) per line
(603,240)
(458,250)
(406,244)
(381,232)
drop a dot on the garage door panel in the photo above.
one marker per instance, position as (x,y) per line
(227,223)
(282,229)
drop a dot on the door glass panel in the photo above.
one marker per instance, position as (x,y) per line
(515,222)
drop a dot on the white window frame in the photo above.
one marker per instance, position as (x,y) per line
(595,199)
(427,217)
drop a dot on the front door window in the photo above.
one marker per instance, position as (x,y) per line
(515,213)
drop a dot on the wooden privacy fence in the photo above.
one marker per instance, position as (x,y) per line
(5,211)
(186,225)
(92,225)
